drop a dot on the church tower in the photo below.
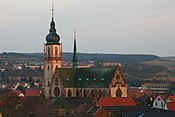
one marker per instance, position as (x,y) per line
(52,56)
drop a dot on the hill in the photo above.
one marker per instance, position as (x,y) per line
(84,57)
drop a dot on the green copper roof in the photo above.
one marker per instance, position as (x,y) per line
(52,37)
(86,77)
(75,58)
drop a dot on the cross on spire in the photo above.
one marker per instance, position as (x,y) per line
(52,11)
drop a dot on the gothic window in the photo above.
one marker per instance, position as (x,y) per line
(48,51)
(100,93)
(56,91)
(48,67)
(92,93)
(84,93)
(104,93)
(109,93)
(88,93)
(56,81)
(77,93)
(69,93)
(119,92)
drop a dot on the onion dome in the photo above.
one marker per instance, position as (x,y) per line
(52,37)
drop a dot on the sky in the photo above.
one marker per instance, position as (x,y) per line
(103,26)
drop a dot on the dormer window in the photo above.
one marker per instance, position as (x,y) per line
(79,79)
(102,79)
(67,80)
(94,79)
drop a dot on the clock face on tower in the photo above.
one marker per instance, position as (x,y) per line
(57,91)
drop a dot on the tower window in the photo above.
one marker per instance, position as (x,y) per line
(56,51)
(48,51)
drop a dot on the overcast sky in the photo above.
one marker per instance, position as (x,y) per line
(103,26)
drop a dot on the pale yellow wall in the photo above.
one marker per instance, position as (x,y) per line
(73,90)
(123,89)
(52,63)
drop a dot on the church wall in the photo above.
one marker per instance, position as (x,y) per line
(86,92)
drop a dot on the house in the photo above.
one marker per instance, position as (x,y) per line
(170,103)
(170,99)
(97,111)
(160,102)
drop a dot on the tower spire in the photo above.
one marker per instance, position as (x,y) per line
(75,58)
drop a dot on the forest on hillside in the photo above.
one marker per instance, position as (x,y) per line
(84,57)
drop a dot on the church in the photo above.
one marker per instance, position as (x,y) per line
(75,81)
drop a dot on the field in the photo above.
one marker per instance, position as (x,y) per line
(168,63)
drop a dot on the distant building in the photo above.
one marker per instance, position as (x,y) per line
(157,88)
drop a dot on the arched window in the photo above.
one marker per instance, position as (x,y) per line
(84,93)
(92,93)
(80,93)
(48,51)
(100,93)
(56,81)
(57,92)
(69,93)
(104,93)
(56,51)
(87,93)
(77,93)
(118,92)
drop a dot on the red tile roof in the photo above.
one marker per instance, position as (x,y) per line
(116,101)
(172,98)
(164,97)
(33,93)
(171,106)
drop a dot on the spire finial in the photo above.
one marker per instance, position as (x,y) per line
(75,36)
(52,11)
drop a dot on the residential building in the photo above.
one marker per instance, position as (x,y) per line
(160,102)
